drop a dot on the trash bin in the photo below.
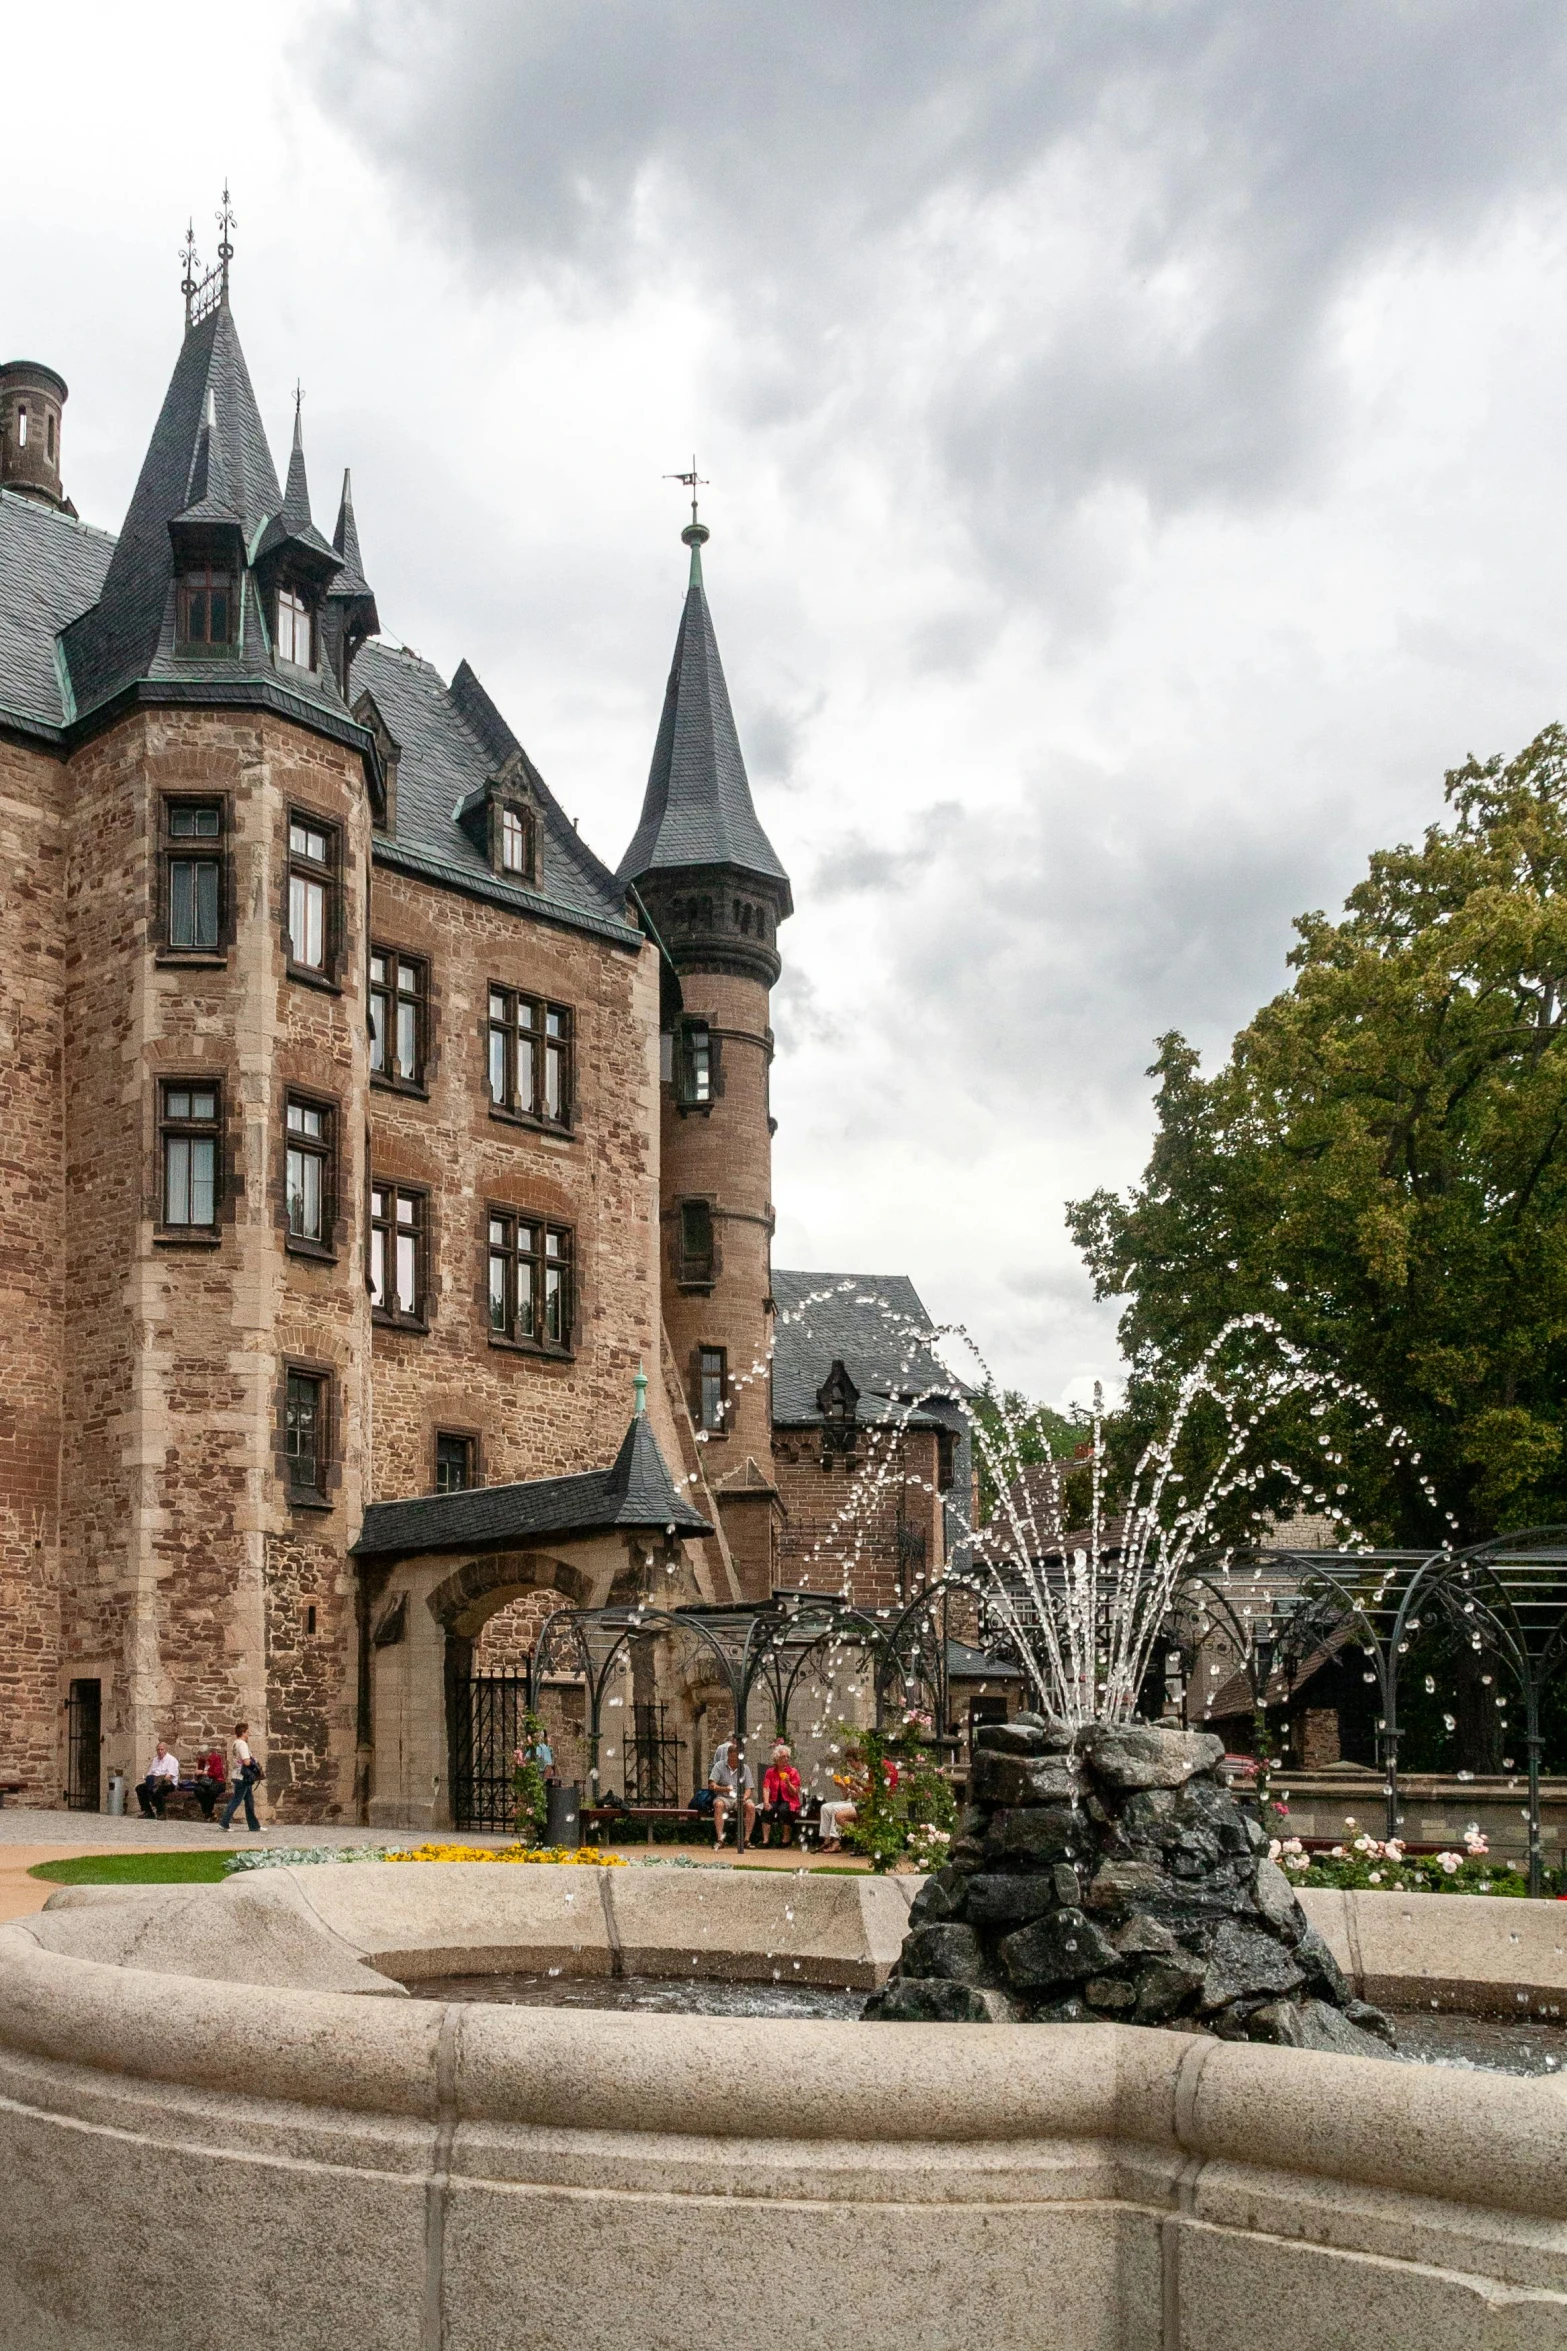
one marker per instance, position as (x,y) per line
(561,1825)
(116,1803)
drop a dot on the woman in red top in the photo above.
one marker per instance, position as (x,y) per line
(780,1796)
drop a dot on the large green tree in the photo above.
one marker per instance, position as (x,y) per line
(1381,1165)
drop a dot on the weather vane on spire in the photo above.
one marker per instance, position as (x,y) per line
(693,482)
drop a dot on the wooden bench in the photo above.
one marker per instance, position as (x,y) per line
(599,1818)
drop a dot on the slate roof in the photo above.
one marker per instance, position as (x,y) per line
(51,569)
(207,464)
(869,1322)
(451,741)
(637,1491)
(697,809)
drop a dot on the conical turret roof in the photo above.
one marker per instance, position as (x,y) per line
(697,810)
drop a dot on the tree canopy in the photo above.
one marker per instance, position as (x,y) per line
(1381,1165)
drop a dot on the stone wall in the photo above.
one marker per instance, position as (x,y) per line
(874,1529)
(32,1272)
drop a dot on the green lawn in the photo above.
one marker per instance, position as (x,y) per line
(134,1869)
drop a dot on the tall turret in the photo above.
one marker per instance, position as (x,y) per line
(712,887)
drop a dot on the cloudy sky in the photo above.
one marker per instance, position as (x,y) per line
(1136,447)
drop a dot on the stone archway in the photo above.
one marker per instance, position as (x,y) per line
(464,1601)
(491,1612)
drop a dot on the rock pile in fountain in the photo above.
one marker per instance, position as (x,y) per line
(1108,1872)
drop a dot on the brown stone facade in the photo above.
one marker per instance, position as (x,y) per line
(868,1525)
(148,1539)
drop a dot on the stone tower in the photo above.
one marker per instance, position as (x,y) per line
(713,890)
(31,398)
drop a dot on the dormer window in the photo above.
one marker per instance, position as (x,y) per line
(206,607)
(516,840)
(293,627)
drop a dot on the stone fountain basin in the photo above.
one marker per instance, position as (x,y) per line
(212,2137)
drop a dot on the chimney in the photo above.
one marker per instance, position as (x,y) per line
(31,398)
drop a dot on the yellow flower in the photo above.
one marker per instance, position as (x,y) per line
(588,1855)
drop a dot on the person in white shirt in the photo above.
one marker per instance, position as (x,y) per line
(244,1772)
(721,1779)
(163,1778)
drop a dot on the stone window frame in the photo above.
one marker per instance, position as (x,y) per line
(321,1496)
(508,809)
(691,1066)
(329,873)
(393,1317)
(187,1236)
(702,1357)
(172,851)
(506,1336)
(472,1439)
(326,1149)
(697,1271)
(388,1078)
(503,1031)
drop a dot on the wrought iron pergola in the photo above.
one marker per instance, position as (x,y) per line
(776,1646)
(1285,1611)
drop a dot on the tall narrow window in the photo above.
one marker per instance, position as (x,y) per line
(206,607)
(529,1057)
(530,1281)
(712,1398)
(49,437)
(312,878)
(516,841)
(293,627)
(193,876)
(399,995)
(397,1224)
(694,1065)
(454,1463)
(190,1157)
(305,1436)
(696,1241)
(21,425)
(308,1180)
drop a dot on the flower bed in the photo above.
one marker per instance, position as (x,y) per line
(1369,1864)
(299,1856)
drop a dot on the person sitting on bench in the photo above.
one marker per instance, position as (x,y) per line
(163,1778)
(210,1781)
(722,1780)
(780,1796)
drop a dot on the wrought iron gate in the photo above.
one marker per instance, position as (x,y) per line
(487,1717)
(652,1759)
(84,1741)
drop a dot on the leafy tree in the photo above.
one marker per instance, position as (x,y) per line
(1037,1433)
(1381,1165)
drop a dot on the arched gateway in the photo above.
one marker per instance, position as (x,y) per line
(434,1571)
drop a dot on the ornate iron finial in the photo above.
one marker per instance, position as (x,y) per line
(226,222)
(639,1391)
(192,263)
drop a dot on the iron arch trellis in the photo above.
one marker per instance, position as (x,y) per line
(1507,1597)
(769,1644)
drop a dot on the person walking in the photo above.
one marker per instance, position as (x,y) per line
(244,1773)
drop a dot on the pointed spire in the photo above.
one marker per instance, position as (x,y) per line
(698,809)
(296,491)
(351,580)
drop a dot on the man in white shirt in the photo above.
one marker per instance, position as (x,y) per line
(722,1779)
(163,1778)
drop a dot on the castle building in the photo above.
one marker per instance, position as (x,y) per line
(366,1136)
